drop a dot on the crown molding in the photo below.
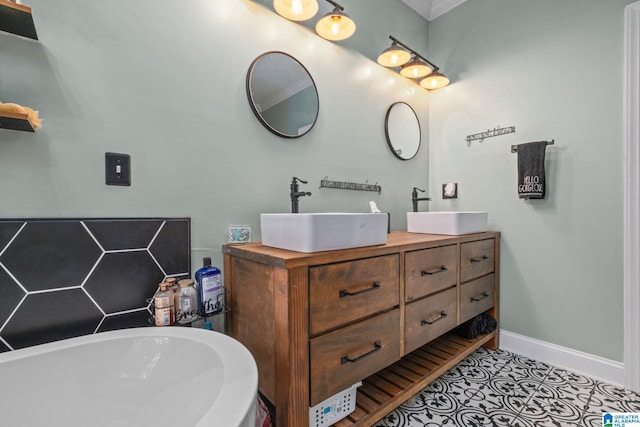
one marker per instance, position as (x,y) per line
(421,7)
(440,7)
(431,9)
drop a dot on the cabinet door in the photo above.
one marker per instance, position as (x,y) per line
(476,259)
(343,357)
(347,291)
(430,317)
(429,270)
(476,297)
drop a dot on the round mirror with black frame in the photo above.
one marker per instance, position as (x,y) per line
(282,94)
(402,129)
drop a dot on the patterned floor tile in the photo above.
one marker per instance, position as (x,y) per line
(503,418)
(609,398)
(572,387)
(498,357)
(502,389)
(494,406)
(520,422)
(592,420)
(468,373)
(549,406)
(414,419)
(453,388)
(491,361)
(480,414)
(559,376)
(503,392)
(442,404)
(533,369)
(515,371)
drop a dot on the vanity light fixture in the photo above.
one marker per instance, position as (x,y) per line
(335,25)
(415,69)
(413,65)
(394,56)
(296,10)
(435,80)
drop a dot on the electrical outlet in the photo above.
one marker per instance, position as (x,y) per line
(117,169)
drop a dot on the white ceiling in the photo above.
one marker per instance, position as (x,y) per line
(431,9)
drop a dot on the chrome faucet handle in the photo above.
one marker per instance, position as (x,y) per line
(416,188)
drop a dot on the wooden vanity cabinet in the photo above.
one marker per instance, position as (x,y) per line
(318,323)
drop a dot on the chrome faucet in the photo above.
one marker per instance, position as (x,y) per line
(296,194)
(415,199)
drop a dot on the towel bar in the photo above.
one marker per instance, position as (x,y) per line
(514,148)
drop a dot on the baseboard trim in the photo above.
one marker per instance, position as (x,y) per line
(591,365)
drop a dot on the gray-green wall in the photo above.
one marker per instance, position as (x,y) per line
(552,69)
(164,81)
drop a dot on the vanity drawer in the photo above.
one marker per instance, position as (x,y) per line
(476,259)
(429,270)
(476,297)
(428,318)
(343,357)
(347,291)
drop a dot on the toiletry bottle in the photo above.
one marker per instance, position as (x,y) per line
(163,303)
(209,287)
(188,302)
(172,285)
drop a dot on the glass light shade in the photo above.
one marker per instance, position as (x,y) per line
(415,69)
(394,56)
(335,25)
(296,10)
(435,80)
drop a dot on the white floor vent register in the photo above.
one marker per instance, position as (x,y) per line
(334,408)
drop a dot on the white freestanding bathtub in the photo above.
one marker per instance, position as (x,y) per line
(170,376)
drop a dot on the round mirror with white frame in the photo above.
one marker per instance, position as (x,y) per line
(402,129)
(282,94)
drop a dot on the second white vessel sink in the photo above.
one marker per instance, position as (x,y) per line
(445,222)
(315,232)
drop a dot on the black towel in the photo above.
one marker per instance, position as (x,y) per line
(480,324)
(531,182)
(487,323)
(469,329)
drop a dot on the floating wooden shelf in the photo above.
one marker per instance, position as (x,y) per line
(17,19)
(387,389)
(16,121)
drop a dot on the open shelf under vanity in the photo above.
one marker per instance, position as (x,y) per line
(385,390)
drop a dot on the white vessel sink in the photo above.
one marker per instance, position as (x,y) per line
(315,232)
(452,223)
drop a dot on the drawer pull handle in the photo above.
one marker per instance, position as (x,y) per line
(484,295)
(479,259)
(346,359)
(440,269)
(345,293)
(442,316)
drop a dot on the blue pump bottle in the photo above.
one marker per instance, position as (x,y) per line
(209,287)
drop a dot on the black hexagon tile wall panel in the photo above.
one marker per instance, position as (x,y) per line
(62,278)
